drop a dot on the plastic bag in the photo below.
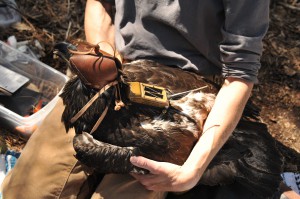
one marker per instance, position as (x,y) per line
(8,13)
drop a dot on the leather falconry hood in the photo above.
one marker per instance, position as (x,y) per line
(95,67)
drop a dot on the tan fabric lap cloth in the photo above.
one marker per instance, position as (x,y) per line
(118,186)
(47,168)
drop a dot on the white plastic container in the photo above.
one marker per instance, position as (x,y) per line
(45,82)
(2,168)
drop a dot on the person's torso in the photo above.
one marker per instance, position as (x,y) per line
(185,33)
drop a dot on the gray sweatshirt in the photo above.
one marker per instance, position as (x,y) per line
(210,37)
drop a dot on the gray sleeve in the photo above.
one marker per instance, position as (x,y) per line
(246,23)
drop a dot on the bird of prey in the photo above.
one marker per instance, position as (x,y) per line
(161,131)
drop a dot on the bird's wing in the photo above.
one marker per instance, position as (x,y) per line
(174,79)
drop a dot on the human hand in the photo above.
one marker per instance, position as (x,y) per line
(165,176)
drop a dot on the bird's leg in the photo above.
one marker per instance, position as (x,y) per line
(104,157)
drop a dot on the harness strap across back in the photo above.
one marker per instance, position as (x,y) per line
(85,107)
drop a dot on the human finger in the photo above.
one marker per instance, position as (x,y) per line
(142,162)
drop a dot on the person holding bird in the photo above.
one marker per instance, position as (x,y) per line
(219,39)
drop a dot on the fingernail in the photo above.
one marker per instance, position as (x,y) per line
(133,159)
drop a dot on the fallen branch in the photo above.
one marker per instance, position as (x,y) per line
(68,30)
(289,6)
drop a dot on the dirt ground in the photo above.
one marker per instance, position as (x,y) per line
(277,94)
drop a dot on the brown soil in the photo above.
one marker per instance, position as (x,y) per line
(277,93)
